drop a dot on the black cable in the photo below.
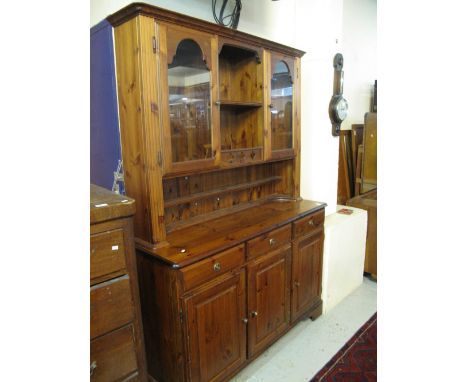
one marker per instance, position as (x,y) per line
(233,17)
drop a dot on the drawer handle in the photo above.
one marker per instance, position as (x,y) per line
(254,314)
(93,366)
(297,284)
(245,320)
(272,241)
(217,267)
(311,222)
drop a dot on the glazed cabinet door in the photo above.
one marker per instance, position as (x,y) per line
(306,273)
(269,279)
(189,76)
(281,113)
(216,328)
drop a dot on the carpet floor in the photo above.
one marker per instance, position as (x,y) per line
(356,361)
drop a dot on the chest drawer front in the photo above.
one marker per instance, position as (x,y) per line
(113,355)
(308,223)
(268,242)
(107,253)
(111,306)
(212,267)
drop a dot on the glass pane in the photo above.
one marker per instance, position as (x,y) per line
(281,107)
(189,104)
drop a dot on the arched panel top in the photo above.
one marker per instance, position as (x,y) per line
(237,51)
(182,41)
(281,73)
(188,54)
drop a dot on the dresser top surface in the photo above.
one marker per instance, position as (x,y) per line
(191,244)
(105,205)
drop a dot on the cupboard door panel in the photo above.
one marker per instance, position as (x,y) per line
(216,330)
(191,122)
(269,298)
(281,104)
(306,273)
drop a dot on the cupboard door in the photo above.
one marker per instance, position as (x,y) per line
(188,65)
(269,280)
(216,328)
(281,105)
(306,273)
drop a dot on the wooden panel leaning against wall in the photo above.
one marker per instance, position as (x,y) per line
(229,255)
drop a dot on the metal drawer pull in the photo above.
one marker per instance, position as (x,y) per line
(311,222)
(254,313)
(217,267)
(245,320)
(272,241)
(93,366)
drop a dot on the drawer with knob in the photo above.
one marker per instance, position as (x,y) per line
(113,356)
(268,242)
(212,267)
(308,224)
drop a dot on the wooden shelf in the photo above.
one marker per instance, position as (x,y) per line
(240,104)
(219,191)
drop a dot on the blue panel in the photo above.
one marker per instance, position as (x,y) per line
(105,135)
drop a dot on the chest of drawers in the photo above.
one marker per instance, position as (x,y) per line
(117,351)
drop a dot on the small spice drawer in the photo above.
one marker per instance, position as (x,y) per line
(107,253)
(268,242)
(308,223)
(113,355)
(111,305)
(212,267)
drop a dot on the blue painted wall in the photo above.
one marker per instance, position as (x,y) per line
(105,135)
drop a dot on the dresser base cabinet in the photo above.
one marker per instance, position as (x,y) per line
(208,315)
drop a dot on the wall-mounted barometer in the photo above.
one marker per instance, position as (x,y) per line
(338,107)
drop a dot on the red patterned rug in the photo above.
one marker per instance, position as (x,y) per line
(356,361)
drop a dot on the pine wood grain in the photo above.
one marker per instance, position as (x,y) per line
(209,237)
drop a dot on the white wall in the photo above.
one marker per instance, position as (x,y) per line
(360,57)
(314,26)
(318,28)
